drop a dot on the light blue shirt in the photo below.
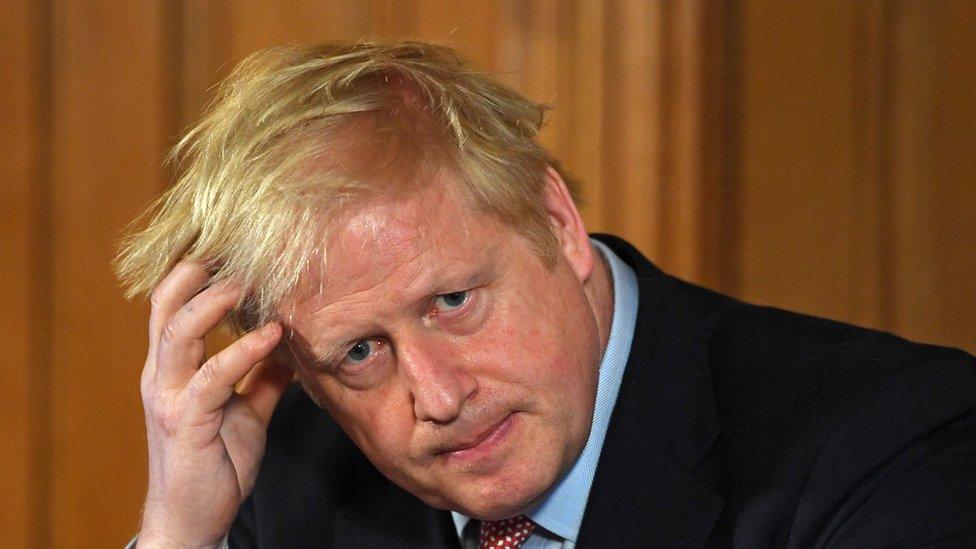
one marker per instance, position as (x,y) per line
(561,512)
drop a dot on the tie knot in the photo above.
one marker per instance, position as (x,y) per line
(505,534)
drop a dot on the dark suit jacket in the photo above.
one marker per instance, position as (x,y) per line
(735,425)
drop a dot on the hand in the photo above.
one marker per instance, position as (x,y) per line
(205,439)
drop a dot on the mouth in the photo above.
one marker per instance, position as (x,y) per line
(482,444)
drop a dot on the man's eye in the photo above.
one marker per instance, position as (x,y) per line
(453,300)
(361,350)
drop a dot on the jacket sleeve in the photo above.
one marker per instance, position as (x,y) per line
(924,496)
(899,470)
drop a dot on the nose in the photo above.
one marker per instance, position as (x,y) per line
(439,382)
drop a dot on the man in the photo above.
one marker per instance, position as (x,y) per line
(380,224)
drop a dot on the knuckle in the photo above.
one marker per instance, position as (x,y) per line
(157,297)
(197,391)
(171,331)
(145,389)
(167,418)
(146,376)
(209,372)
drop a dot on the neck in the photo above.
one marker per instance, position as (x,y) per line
(599,291)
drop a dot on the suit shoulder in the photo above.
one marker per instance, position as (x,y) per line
(813,406)
(767,361)
(770,348)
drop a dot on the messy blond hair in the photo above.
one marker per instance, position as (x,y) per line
(264,170)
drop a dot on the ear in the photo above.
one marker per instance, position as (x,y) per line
(567,225)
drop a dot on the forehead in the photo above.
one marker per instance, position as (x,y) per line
(404,241)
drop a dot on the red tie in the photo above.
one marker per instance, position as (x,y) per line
(505,534)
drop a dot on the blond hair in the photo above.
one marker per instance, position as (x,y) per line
(267,165)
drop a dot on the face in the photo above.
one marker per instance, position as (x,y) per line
(462,366)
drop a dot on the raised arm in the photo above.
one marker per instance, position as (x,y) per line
(206,438)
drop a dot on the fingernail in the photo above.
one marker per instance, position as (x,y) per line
(226,285)
(269,329)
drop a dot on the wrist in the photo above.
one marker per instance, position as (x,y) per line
(155,539)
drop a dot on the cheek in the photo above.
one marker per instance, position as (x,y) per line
(540,334)
(542,355)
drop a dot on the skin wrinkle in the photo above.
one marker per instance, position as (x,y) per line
(409,248)
(376,149)
(398,241)
(441,381)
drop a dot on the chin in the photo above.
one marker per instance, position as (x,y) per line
(514,489)
(498,500)
(497,510)
(489,503)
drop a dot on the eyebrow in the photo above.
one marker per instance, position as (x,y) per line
(302,350)
(329,356)
(327,353)
(478,278)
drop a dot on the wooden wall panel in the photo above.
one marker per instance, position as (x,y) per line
(111,123)
(797,163)
(914,238)
(955,175)
(718,227)
(856,193)
(933,171)
(226,31)
(584,108)
(812,155)
(870,113)
(654,165)
(216,35)
(22,378)
(634,95)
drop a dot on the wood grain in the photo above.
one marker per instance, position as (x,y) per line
(933,171)
(110,127)
(815,156)
(23,418)
(797,165)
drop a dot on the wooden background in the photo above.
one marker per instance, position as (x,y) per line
(814,155)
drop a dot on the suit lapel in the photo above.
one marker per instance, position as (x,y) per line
(651,486)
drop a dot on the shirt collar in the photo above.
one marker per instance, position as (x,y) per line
(561,512)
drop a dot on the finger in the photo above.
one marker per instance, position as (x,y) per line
(181,346)
(213,384)
(263,387)
(171,293)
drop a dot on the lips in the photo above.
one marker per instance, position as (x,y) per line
(481,443)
